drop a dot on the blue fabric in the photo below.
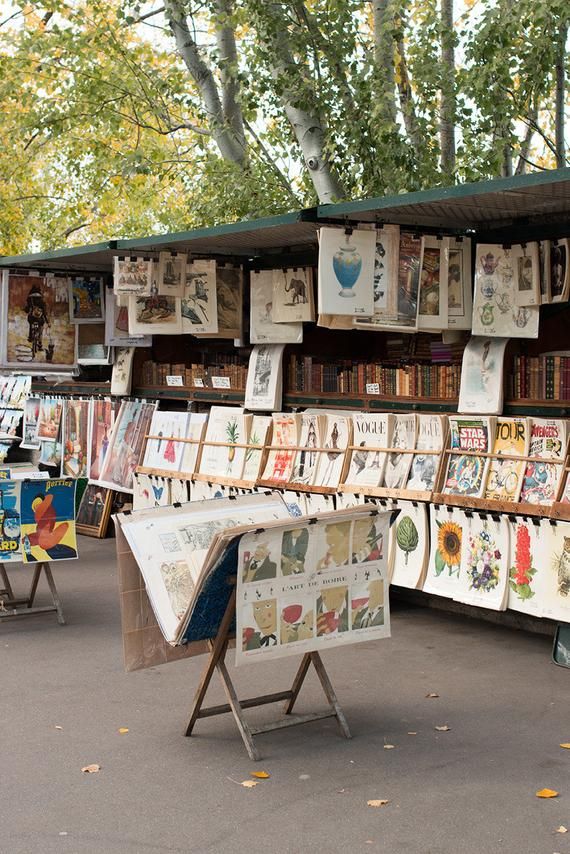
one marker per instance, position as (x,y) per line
(211,606)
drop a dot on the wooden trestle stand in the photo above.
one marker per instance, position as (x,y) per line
(216,661)
(13,606)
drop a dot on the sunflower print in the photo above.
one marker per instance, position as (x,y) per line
(448,552)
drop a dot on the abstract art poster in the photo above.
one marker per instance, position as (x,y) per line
(10,503)
(290,600)
(346,271)
(39,333)
(48,520)
(86,299)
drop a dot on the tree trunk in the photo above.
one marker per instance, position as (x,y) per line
(230,146)
(447,95)
(310,136)
(559,122)
(228,62)
(407,105)
(384,44)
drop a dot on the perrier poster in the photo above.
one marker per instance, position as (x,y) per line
(10,520)
(48,520)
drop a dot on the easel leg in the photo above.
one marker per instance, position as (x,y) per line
(298,683)
(237,710)
(329,692)
(35,581)
(54,594)
(6,586)
(217,647)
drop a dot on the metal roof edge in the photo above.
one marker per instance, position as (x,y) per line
(440,194)
(303,215)
(54,254)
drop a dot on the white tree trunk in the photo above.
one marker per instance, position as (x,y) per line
(383,17)
(309,135)
(447,96)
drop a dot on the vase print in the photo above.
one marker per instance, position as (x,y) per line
(347,264)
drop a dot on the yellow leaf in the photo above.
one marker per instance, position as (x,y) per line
(566,745)
(58,727)
(378,803)
(123,730)
(91,769)
(248,784)
(412,733)
(561,829)
(443,728)
(547,793)
(388,747)
(261,775)
(431,696)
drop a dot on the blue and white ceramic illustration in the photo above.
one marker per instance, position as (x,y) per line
(347,264)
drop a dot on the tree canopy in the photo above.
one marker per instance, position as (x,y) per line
(123,118)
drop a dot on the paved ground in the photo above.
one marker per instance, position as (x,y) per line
(471,789)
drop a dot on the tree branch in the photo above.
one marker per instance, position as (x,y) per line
(228,65)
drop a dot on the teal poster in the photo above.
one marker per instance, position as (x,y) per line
(10,519)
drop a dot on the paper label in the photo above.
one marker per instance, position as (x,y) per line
(221,382)
(372,388)
(198,382)
(174,380)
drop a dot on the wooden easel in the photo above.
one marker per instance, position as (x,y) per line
(216,661)
(12,606)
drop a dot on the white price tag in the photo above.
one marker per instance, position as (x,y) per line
(175,380)
(221,382)
(372,388)
(198,382)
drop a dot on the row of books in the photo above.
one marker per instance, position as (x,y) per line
(193,376)
(307,374)
(545,377)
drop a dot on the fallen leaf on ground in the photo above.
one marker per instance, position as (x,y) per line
(261,775)
(431,696)
(547,793)
(412,733)
(377,803)
(443,728)
(561,829)
(60,727)
(123,730)
(388,747)
(91,769)
(566,744)
(248,784)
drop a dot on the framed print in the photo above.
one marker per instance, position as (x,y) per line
(432,296)
(38,332)
(94,511)
(559,270)
(527,277)
(86,299)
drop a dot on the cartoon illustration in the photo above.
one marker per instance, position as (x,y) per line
(265,616)
(48,526)
(294,547)
(259,566)
(370,611)
(332,610)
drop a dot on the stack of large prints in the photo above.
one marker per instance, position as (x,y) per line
(372,431)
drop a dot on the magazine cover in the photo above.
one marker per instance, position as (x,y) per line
(48,520)
(466,474)
(548,441)
(308,460)
(398,465)
(505,477)
(336,438)
(430,437)
(280,460)
(369,431)
(482,370)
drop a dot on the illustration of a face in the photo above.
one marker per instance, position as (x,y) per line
(261,552)
(265,615)
(376,590)
(337,541)
(306,627)
(334,598)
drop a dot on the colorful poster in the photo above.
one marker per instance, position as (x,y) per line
(346,271)
(10,518)
(76,437)
(466,473)
(165,452)
(529,563)
(102,419)
(481,388)
(125,445)
(224,449)
(447,526)
(86,299)
(48,520)
(290,600)
(484,576)
(49,418)
(409,545)
(155,314)
(39,333)
(280,460)
(505,477)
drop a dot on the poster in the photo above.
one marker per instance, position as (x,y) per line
(102,418)
(258,433)
(76,437)
(199,303)
(48,520)
(530,559)
(346,271)
(132,275)
(433,298)
(292,600)
(431,431)
(548,441)
(30,428)
(559,270)
(505,477)
(457,254)
(336,438)
(49,418)
(154,314)
(293,299)
(398,465)
(527,279)
(171,273)
(86,299)
(229,297)
(39,333)
(264,384)
(447,530)
(369,431)
(495,313)
(165,452)
(307,460)
(482,370)
(262,327)
(484,576)
(386,259)
(280,460)
(410,539)
(94,510)
(10,518)
(125,444)
(224,449)
(117,326)
(122,373)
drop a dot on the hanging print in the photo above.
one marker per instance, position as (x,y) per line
(199,303)
(495,312)
(293,295)
(262,327)
(346,271)
(132,275)
(86,295)
(171,273)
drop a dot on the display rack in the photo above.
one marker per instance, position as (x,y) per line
(12,606)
